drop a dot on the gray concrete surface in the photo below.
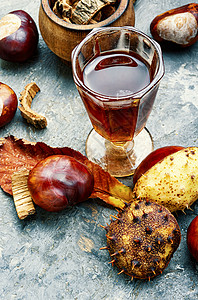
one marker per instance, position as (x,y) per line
(56,255)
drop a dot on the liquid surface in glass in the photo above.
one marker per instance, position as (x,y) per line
(116,74)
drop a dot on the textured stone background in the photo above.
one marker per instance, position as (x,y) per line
(56,255)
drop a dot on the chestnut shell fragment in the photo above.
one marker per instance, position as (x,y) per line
(59,181)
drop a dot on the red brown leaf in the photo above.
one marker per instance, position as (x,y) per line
(18,154)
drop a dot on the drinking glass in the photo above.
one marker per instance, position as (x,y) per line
(119,140)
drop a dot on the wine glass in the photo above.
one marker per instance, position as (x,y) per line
(117,71)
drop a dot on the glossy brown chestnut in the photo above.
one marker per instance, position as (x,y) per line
(18,36)
(153,158)
(178,25)
(59,181)
(192,238)
(8,104)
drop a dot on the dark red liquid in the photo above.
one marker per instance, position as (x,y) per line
(114,74)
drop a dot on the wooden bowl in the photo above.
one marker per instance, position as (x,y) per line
(61,37)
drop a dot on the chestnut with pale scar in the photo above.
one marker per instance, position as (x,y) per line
(18,36)
(178,25)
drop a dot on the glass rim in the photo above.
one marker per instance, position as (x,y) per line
(137,95)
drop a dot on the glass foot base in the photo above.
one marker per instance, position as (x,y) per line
(118,160)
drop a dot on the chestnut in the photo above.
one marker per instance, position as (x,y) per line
(8,104)
(192,238)
(18,36)
(178,25)
(59,181)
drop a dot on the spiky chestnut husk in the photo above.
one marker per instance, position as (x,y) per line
(142,239)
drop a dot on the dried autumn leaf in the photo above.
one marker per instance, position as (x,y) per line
(18,154)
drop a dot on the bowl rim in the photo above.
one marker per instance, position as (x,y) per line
(122,7)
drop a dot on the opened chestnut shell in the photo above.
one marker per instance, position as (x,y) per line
(8,104)
(153,158)
(178,25)
(59,181)
(18,36)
